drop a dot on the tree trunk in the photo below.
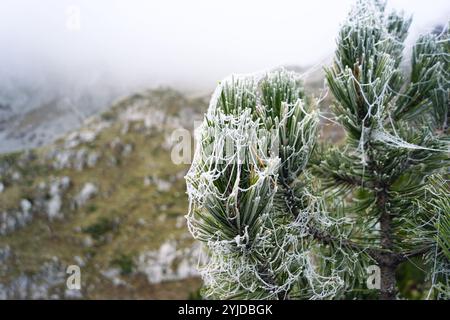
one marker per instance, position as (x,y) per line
(388,282)
(387,260)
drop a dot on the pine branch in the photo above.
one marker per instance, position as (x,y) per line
(279,224)
(320,235)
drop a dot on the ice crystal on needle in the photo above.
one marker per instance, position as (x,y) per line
(258,134)
(283,216)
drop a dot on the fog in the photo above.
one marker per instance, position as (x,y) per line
(180,43)
(78,56)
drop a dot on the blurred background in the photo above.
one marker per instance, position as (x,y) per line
(90,94)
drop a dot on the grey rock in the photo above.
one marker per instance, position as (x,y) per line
(63,159)
(127,149)
(57,188)
(16,176)
(5,253)
(169,263)
(113,274)
(80,159)
(92,159)
(89,191)
(162,185)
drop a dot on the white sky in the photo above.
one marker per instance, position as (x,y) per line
(188,43)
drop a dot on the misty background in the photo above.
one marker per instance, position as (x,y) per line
(62,61)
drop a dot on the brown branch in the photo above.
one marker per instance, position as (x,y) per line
(386,259)
(327,239)
(320,235)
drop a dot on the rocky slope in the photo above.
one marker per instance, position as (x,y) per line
(107,198)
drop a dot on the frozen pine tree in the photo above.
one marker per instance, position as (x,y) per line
(284,216)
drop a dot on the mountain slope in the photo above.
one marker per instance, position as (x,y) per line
(107,198)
